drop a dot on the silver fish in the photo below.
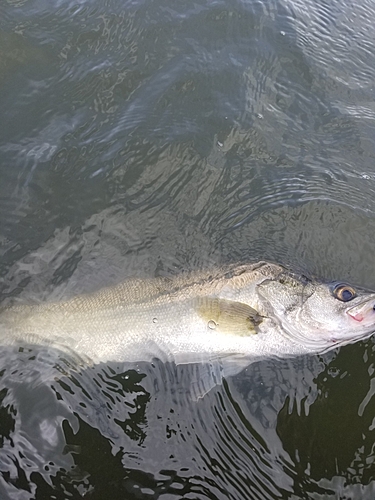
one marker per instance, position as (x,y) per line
(232,317)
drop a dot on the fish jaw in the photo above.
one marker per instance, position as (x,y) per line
(358,324)
(363,313)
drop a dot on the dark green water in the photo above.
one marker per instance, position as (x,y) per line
(146,138)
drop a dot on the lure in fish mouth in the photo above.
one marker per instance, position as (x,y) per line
(321,316)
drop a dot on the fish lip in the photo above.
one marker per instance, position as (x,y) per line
(356,317)
(355,311)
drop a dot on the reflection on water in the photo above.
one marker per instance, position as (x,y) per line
(344,444)
(100,430)
(273,432)
(149,138)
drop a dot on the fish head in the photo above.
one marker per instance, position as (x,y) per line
(319,316)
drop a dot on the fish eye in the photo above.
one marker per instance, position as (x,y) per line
(344,293)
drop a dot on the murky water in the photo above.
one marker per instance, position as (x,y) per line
(146,138)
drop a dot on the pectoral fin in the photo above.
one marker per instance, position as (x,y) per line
(229,316)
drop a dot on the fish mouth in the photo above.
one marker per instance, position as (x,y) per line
(363,310)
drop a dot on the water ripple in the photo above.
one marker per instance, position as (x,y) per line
(338,37)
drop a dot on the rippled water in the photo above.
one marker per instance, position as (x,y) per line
(146,138)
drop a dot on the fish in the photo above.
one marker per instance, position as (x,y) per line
(225,318)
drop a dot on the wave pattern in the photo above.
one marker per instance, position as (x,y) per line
(146,138)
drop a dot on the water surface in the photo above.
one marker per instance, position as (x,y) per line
(150,138)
